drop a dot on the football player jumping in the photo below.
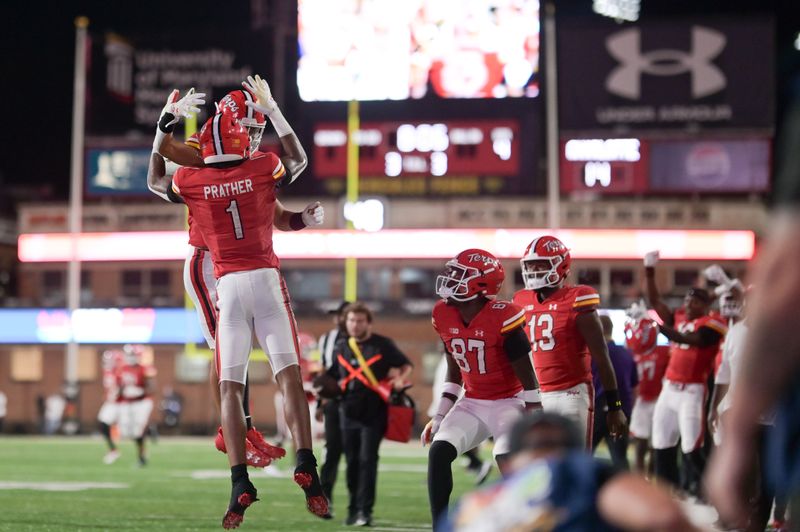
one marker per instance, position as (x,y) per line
(564,330)
(198,276)
(233,203)
(488,354)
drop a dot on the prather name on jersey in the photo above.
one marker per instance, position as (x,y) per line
(228,189)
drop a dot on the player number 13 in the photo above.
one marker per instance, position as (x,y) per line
(545,324)
(459,349)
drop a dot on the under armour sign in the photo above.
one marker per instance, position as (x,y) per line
(666,75)
(626,79)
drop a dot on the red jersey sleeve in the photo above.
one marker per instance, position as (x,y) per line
(512,316)
(713,323)
(586,299)
(177,180)
(193,141)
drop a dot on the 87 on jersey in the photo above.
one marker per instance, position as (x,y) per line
(473,347)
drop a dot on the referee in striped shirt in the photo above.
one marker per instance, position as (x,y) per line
(330,407)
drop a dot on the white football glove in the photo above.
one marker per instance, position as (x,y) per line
(651,259)
(176,108)
(637,311)
(430,430)
(313,214)
(264,102)
(716,274)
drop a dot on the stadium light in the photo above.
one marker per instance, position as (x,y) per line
(403,244)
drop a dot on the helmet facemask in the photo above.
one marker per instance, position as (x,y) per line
(454,282)
(544,275)
(255,131)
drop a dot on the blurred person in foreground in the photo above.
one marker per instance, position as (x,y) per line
(488,356)
(555,485)
(627,383)
(770,359)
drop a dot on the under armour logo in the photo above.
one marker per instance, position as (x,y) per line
(553,306)
(479,333)
(626,79)
(453,330)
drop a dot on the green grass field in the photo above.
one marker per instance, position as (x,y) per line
(59,483)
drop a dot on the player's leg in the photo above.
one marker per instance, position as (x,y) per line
(277,333)
(233,338)
(500,416)
(351,440)
(576,404)
(461,429)
(140,414)
(691,417)
(640,428)
(665,435)
(106,417)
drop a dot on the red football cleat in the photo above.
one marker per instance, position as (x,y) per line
(257,439)
(316,502)
(243,497)
(254,457)
(219,441)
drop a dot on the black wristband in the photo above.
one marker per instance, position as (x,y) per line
(612,400)
(296,222)
(166,119)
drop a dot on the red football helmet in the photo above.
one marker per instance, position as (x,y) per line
(471,273)
(546,262)
(112,359)
(235,103)
(641,335)
(223,139)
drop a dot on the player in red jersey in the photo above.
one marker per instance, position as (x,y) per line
(198,277)
(695,337)
(641,335)
(135,384)
(564,330)
(109,411)
(487,353)
(233,203)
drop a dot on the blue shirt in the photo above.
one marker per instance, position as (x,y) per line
(627,376)
(558,494)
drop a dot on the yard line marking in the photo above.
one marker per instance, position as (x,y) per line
(61,486)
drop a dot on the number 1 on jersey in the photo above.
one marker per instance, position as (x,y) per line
(233,209)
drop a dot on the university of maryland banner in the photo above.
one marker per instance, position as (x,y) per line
(666,75)
(131,76)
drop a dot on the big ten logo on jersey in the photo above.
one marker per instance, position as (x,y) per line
(686,327)
(499,305)
(542,332)
(475,348)
(478,257)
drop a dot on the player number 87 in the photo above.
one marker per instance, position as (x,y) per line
(459,349)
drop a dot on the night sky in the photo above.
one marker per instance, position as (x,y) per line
(38,50)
